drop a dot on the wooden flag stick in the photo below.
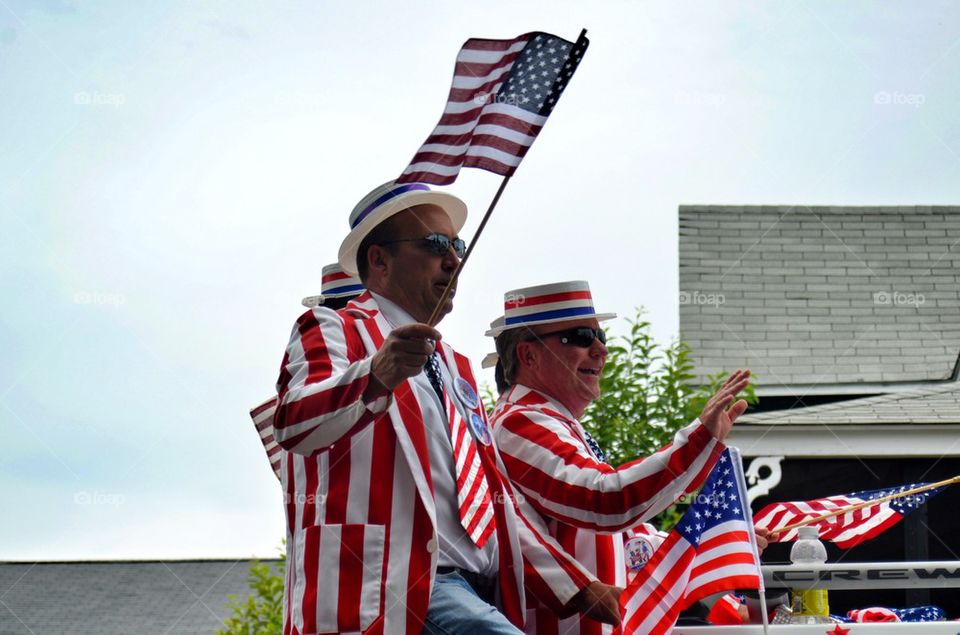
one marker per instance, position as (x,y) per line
(853,508)
(435,316)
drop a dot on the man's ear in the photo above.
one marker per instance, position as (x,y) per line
(527,355)
(378,260)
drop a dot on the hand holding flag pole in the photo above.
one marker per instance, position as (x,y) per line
(502,93)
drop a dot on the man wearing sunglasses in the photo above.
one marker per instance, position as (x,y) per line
(551,352)
(399,518)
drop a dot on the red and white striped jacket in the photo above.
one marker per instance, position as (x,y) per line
(590,507)
(361,518)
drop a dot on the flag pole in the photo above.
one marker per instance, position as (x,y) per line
(856,506)
(435,316)
(748,517)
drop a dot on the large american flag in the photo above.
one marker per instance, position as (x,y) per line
(502,93)
(849,529)
(710,550)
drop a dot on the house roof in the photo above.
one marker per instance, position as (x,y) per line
(119,597)
(815,296)
(919,422)
(937,404)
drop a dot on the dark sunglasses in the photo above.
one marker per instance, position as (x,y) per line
(581,336)
(436,244)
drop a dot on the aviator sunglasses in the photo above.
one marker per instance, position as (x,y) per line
(436,244)
(581,336)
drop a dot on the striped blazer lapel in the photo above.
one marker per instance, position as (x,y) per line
(406,418)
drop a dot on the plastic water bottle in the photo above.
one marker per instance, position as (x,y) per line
(810,606)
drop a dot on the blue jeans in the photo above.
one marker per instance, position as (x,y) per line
(456,608)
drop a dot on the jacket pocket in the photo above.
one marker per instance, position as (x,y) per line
(349,568)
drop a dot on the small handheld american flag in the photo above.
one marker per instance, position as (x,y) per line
(849,528)
(711,549)
(502,93)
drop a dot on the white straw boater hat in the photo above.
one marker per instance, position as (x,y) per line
(546,304)
(334,283)
(387,200)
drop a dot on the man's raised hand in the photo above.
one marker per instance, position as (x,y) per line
(403,355)
(715,415)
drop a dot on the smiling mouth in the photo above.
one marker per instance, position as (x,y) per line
(443,285)
(593,372)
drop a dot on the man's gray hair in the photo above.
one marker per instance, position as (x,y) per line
(507,355)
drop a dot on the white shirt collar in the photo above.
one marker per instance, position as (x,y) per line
(392,312)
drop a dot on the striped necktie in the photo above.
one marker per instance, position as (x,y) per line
(433,374)
(473,492)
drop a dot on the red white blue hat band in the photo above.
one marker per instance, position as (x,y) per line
(335,283)
(547,304)
(355,219)
(385,201)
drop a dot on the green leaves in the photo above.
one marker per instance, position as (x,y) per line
(262,612)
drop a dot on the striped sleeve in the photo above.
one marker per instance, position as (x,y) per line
(550,573)
(322,380)
(558,476)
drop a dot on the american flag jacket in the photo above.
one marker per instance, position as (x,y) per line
(360,512)
(589,507)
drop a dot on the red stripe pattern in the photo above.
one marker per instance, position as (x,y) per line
(583,502)
(709,551)
(502,93)
(849,529)
(473,491)
(262,416)
(361,543)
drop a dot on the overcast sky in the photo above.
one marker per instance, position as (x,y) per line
(174,176)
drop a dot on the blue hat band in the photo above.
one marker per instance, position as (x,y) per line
(403,189)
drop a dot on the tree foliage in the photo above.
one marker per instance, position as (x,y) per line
(262,612)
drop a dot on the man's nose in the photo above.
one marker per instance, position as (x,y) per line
(598,348)
(450,259)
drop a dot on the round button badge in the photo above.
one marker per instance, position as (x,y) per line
(466,393)
(638,550)
(480,431)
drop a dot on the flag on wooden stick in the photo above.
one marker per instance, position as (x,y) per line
(711,549)
(850,528)
(502,93)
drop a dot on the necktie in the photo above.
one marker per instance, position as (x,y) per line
(595,447)
(433,374)
(473,492)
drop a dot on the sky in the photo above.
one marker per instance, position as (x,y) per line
(173,177)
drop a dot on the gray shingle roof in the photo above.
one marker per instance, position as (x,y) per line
(938,404)
(118,597)
(821,295)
